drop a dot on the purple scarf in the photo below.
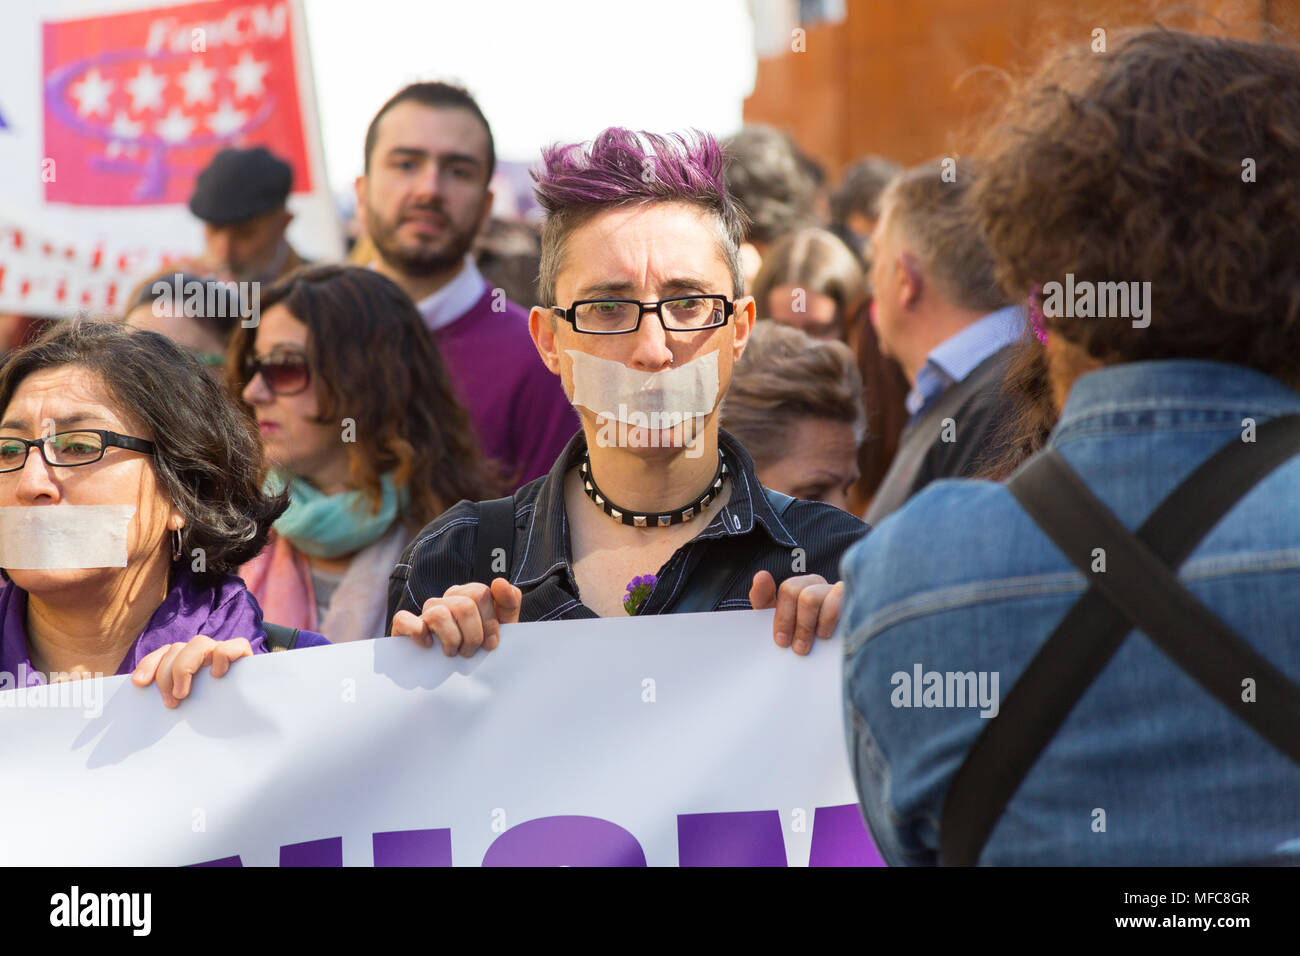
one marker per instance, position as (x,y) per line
(222,611)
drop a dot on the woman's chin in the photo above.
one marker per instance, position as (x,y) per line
(51,581)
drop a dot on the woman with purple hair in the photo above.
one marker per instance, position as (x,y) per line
(651,508)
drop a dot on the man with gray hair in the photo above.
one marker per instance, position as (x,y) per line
(940,314)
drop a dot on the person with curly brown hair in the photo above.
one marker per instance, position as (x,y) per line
(1096,662)
(360,422)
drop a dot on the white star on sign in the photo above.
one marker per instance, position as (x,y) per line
(126,130)
(146,89)
(175,126)
(247,76)
(92,94)
(123,127)
(225,119)
(197,82)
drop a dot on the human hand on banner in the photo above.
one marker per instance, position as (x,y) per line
(805,605)
(175,665)
(465,618)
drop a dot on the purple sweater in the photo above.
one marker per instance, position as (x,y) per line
(518,407)
(222,611)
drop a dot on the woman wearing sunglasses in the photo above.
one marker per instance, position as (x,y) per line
(360,424)
(118,452)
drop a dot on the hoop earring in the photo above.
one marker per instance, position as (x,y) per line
(177,548)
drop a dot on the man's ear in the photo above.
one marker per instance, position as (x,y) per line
(359,186)
(744,317)
(542,326)
(911,283)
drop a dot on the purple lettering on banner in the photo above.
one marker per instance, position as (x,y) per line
(730,839)
(327,852)
(565,841)
(224,861)
(840,838)
(413,848)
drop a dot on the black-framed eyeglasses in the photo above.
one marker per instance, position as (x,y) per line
(285,373)
(68,449)
(687,313)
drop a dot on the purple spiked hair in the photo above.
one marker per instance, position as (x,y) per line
(622,167)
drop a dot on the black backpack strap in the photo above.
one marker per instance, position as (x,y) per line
(710,581)
(279,637)
(1138,589)
(495,533)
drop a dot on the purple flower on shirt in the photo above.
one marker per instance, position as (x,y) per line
(638,589)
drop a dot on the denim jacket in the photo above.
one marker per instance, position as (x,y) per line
(1148,769)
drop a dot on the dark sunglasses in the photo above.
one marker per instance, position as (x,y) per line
(284,373)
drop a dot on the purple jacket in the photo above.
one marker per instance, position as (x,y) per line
(222,611)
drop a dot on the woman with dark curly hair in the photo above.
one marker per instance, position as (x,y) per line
(362,427)
(130,491)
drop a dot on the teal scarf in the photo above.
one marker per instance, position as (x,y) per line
(331,526)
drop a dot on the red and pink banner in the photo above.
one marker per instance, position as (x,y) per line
(112,108)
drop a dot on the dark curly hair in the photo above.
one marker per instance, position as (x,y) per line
(208,455)
(373,360)
(1136,165)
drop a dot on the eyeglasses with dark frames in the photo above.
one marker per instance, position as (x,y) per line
(68,449)
(687,313)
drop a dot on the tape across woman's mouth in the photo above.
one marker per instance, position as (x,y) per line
(56,537)
(653,400)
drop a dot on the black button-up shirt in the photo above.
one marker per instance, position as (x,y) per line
(808,538)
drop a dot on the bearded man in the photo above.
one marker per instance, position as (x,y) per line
(423,197)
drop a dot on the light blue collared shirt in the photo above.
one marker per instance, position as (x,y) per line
(953,359)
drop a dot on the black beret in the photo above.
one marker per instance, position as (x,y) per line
(239,184)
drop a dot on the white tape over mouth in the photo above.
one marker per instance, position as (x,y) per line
(612,390)
(54,537)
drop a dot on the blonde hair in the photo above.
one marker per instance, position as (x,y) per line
(786,375)
(818,262)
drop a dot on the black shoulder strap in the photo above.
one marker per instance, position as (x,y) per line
(495,532)
(710,581)
(280,637)
(1137,589)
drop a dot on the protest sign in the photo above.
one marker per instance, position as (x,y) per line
(685,739)
(111,108)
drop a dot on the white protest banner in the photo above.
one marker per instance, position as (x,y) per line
(686,739)
(109,110)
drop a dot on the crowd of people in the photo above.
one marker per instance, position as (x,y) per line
(706,362)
